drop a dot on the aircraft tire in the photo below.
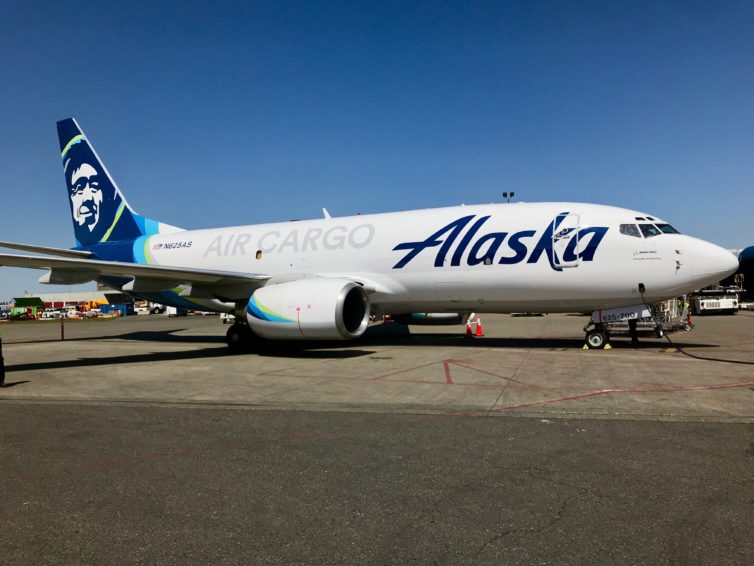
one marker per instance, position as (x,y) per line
(596,339)
(239,337)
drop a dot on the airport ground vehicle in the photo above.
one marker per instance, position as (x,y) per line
(48,314)
(122,309)
(716,300)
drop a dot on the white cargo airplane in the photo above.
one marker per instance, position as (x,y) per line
(322,279)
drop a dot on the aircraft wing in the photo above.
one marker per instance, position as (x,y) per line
(147,278)
(45,250)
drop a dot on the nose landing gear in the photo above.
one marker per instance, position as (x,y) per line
(597,338)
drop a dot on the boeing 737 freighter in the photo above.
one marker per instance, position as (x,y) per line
(323,279)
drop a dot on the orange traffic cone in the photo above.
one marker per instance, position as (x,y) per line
(479,327)
(468,331)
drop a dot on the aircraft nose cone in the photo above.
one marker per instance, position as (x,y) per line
(712,263)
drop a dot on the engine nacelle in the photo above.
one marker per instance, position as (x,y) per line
(309,309)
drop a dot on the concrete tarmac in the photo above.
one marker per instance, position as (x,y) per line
(143,440)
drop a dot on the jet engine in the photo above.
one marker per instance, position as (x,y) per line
(309,309)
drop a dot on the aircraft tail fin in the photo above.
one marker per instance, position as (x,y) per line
(99,210)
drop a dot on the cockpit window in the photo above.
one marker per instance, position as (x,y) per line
(649,230)
(667,229)
(630,230)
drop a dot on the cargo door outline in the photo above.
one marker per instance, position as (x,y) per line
(565,233)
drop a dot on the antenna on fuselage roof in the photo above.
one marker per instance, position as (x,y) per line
(326,213)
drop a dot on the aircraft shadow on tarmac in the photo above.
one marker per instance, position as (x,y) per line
(175,356)
(376,336)
(397,334)
(383,338)
(171,336)
(143,335)
(393,335)
(380,335)
(519,343)
(168,336)
(116,360)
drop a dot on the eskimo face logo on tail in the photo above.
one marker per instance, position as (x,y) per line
(472,249)
(95,204)
(86,196)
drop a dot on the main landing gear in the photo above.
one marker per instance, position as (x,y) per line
(240,338)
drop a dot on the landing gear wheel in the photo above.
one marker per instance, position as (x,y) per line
(596,339)
(239,337)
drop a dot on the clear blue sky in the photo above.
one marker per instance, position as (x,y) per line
(219,113)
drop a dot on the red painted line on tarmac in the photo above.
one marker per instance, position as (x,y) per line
(673,388)
(599,392)
(437,382)
(559,400)
(309,376)
(400,371)
(447,363)
(277,373)
(446,366)
(510,379)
